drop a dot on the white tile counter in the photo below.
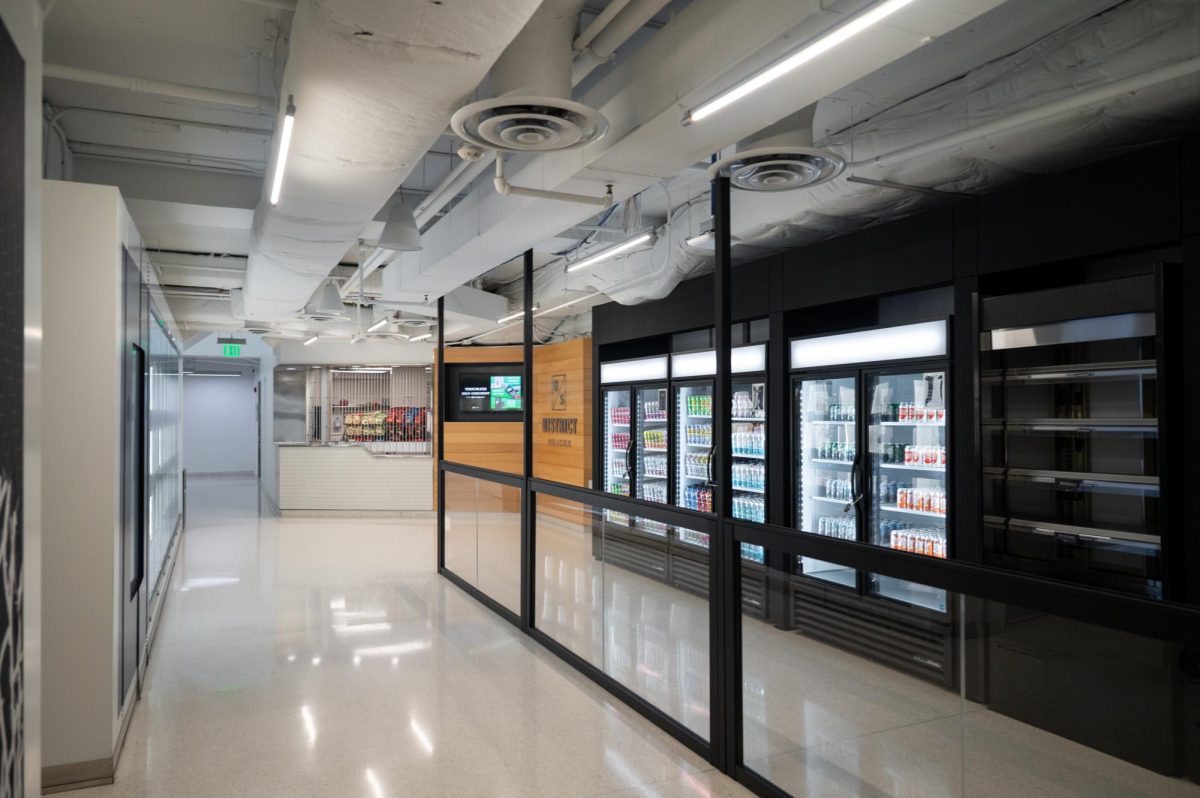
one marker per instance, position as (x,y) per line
(351,479)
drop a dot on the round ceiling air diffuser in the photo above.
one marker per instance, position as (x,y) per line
(779,168)
(528,124)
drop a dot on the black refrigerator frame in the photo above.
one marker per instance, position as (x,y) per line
(909,637)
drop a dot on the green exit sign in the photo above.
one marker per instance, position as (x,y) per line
(231,350)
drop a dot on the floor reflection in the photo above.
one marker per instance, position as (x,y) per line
(649,636)
(325,657)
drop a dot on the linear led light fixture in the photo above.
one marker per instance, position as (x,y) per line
(312,340)
(285,143)
(516,314)
(611,252)
(813,49)
(379,325)
(422,337)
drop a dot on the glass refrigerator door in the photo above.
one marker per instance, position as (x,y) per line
(748,427)
(1070,462)
(652,446)
(617,432)
(693,419)
(825,429)
(906,469)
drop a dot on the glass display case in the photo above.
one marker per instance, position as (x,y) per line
(748,429)
(906,469)
(1070,452)
(871,450)
(618,431)
(826,450)
(693,455)
(652,444)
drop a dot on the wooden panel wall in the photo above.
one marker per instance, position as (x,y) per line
(561,393)
(562,412)
(496,445)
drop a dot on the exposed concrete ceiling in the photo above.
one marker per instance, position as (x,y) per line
(192,172)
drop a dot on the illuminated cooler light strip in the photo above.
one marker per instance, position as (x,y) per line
(926,339)
(742,360)
(285,144)
(649,368)
(611,252)
(822,45)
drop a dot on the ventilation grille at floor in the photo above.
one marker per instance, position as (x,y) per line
(876,630)
(640,559)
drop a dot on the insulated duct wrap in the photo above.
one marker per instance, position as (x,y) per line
(1131,39)
(375,83)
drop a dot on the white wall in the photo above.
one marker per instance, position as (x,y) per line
(255,347)
(82,272)
(22,20)
(220,425)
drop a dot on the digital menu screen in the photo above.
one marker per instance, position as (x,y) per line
(489,393)
(505,393)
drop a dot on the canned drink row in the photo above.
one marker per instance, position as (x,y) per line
(653,491)
(699,434)
(749,508)
(929,542)
(697,498)
(696,465)
(699,405)
(749,442)
(835,450)
(619,415)
(750,475)
(654,438)
(840,489)
(655,465)
(842,412)
(843,527)
(910,454)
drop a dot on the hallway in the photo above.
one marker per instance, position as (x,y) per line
(324,657)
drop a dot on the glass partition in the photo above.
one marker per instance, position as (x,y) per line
(483,536)
(845,696)
(630,596)
(164,478)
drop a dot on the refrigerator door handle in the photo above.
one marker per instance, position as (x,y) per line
(628,454)
(708,466)
(855,480)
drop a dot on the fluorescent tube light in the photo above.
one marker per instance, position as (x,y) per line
(820,46)
(312,340)
(379,325)
(423,337)
(927,339)
(516,314)
(285,143)
(611,252)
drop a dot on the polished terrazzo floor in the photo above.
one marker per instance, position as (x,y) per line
(305,657)
(324,657)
